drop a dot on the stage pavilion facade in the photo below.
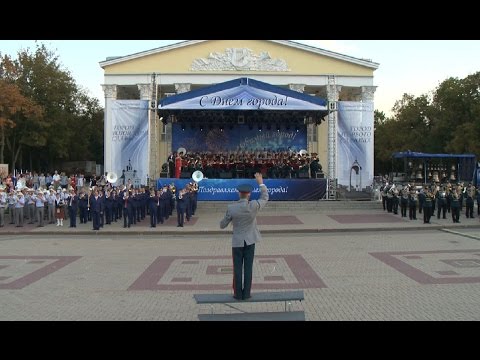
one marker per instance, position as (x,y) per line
(189,66)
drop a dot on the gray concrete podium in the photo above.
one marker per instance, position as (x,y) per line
(285,296)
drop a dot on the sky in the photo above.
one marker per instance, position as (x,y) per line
(406,66)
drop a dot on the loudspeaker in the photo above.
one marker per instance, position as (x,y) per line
(185,175)
(319,175)
(164,174)
(332,105)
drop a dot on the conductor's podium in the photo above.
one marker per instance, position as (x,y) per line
(285,296)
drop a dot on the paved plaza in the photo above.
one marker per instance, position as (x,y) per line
(352,264)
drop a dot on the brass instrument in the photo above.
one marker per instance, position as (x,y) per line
(197,176)
(112,177)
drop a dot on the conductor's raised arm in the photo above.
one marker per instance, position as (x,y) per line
(262,201)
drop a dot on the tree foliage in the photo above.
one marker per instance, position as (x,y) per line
(17,113)
(445,121)
(65,123)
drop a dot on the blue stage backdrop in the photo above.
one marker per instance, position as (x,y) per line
(240,137)
(279,189)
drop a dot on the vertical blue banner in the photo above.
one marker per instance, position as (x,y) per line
(130,136)
(355,145)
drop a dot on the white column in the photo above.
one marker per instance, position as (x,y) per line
(333,91)
(182,88)
(110,95)
(145,91)
(297,87)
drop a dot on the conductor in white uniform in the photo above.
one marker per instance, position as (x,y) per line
(243,215)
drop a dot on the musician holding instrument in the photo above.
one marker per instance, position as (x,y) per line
(171,193)
(427,205)
(194,197)
(127,207)
(163,207)
(188,202)
(12,200)
(19,205)
(181,207)
(72,203)
(108,206)
(82,205)
(442,202)
(316,167)
(455,205)
(40,201)
(114,200)
(50,197)
(59,207)
(469,201)
(412,203)
(478,199)
(153,205)
(3,205)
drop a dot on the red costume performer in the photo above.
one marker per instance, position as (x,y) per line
(178,166)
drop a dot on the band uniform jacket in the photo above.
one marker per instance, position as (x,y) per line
(243,215)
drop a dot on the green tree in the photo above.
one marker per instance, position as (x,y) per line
(71,123)
(457,117)
(88,127)
(447,121)
(406,130)
(18,113)
(42,79)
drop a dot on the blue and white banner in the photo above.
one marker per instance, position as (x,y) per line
(355,145)
(129,137)
(241,137)
(242,94)
(279,189)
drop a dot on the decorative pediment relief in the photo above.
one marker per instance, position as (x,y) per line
(239,59)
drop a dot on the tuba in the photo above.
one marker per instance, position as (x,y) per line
(197,176)
(112,177)
(181,151)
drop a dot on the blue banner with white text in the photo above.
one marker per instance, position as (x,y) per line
(129,137)
(279,189)
(355,137)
